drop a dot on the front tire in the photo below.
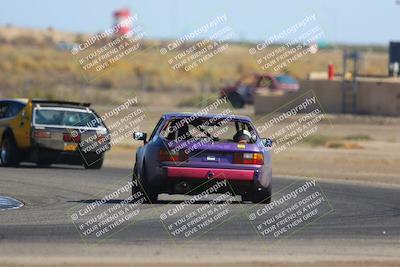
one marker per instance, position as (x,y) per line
(9,154)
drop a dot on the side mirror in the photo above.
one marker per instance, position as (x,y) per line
(139,136)
(24,117)
(267,142)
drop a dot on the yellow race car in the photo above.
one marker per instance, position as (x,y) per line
(48,132)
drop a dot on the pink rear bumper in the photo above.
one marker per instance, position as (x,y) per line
(204,173)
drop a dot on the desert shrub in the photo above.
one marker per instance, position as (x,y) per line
(106,83)
(358,137)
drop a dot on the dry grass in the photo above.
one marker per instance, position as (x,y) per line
(344,145)
(337,141)
(36,68)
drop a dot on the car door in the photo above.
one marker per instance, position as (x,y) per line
(15,118)
(19,123)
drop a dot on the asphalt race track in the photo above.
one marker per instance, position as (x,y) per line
(363,216)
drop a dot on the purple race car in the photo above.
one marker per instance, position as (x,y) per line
(186,150)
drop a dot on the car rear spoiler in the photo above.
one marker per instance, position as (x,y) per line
(56,102)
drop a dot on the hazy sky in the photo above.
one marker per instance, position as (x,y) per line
(344,21)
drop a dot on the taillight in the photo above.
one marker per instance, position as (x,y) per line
(248,158)
(67,137)
(166,155)
(101,138)
(41,134)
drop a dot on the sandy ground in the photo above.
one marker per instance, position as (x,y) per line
(317,253)
(376,159)
(61,262)
(377,162)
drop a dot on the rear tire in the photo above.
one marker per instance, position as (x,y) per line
(150,195)
(236,100)
(94,165)
(247,197)
(9,153)
(44,164)
(262,196)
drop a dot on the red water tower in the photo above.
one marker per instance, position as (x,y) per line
(123,21)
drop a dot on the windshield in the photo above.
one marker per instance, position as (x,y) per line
(66,117)
(223,130)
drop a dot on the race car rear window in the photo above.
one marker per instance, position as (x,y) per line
(222,130)
(66,118)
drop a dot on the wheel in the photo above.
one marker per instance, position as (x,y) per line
(236,100)
(9,156)
(247,197)
(151,197)
(142,186)
(262,196)
(94,165)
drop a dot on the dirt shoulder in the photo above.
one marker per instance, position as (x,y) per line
(376,162)
(254,263)
(345,147)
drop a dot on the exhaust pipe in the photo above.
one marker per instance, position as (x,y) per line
(182,187)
